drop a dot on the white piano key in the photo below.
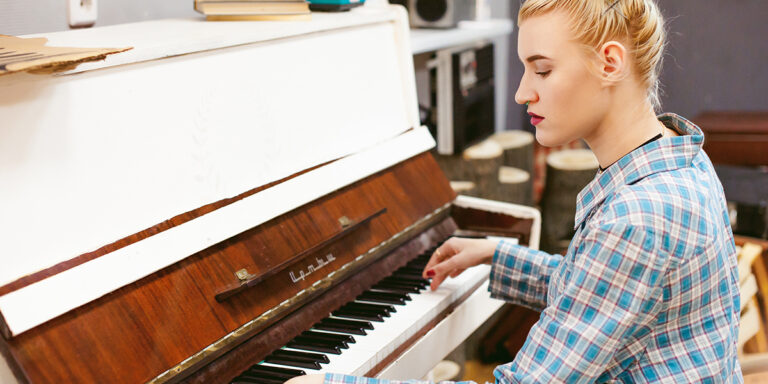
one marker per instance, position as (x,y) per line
(432,347)
(379,343)
(386,337)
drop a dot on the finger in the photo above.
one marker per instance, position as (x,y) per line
(442,253)
(441,272)
(457,272)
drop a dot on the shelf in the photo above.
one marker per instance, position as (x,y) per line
(427,40)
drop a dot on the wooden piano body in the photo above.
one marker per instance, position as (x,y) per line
(175,213)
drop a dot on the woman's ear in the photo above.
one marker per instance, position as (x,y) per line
(613,61)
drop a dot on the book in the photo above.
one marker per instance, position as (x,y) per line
(294,17)
(251,8)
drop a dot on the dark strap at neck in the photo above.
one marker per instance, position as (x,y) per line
(651,140)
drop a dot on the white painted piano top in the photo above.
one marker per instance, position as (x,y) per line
(157,39)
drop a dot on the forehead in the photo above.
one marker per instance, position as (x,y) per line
(547,34)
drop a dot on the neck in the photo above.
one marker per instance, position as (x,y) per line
(628,125)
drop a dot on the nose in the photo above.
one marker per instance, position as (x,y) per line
(525,93)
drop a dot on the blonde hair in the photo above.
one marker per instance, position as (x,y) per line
(595,22)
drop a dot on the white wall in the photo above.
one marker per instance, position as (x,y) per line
(21,17)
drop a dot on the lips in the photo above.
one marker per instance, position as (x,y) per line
(535,119)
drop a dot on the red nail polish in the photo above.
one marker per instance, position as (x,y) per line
(431,273)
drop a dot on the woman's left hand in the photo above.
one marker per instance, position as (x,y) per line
(307,379)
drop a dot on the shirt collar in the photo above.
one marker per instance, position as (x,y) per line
(662,155)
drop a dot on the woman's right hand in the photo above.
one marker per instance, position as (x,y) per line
(456,255)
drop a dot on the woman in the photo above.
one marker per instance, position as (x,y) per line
(648,290)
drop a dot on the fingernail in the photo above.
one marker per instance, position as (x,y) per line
(431,273)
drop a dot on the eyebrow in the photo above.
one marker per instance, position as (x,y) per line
(533,58)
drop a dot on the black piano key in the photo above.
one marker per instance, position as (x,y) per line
(366,311)
(378,311)
(419,266)
(331,336)
(325,340)
(340,328)
(275,371)
(258,379)
(314,347)
(414,270)
(395,287)
(347,323)
(319,357)
(401,290)
(292,361)
(417,284)
(403,283)
(409,280)
(249,375)
(408,275)
(317,345)
(412,285)
(382,308)
(385,297)
(383,300)
(358,315)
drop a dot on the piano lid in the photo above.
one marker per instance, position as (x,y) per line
(196,113)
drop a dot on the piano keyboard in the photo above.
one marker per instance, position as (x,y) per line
(356,337)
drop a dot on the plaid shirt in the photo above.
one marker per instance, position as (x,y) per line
(648,290)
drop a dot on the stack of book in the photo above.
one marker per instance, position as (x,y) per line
(218,10)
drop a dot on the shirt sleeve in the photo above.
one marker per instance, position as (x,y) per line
(335,378)
(520,275)
(599,323)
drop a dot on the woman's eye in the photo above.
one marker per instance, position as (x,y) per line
(543,74)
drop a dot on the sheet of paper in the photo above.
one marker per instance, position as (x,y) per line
(32,55)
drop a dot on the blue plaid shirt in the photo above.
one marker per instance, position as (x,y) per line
(648,290)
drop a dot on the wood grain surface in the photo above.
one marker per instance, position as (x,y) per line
(139,331)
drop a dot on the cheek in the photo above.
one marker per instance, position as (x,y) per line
(572,104)
(572,96)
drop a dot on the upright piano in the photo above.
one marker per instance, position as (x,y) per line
(240,201)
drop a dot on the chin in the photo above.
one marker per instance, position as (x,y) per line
(547,139)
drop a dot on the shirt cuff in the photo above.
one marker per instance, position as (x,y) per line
(336,378)
(520,275)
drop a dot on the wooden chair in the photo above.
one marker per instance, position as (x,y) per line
(753,281)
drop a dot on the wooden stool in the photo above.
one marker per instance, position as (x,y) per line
(753,285)
(568,172)
(518,149)
(515,186)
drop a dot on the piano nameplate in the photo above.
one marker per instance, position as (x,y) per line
(311,268)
